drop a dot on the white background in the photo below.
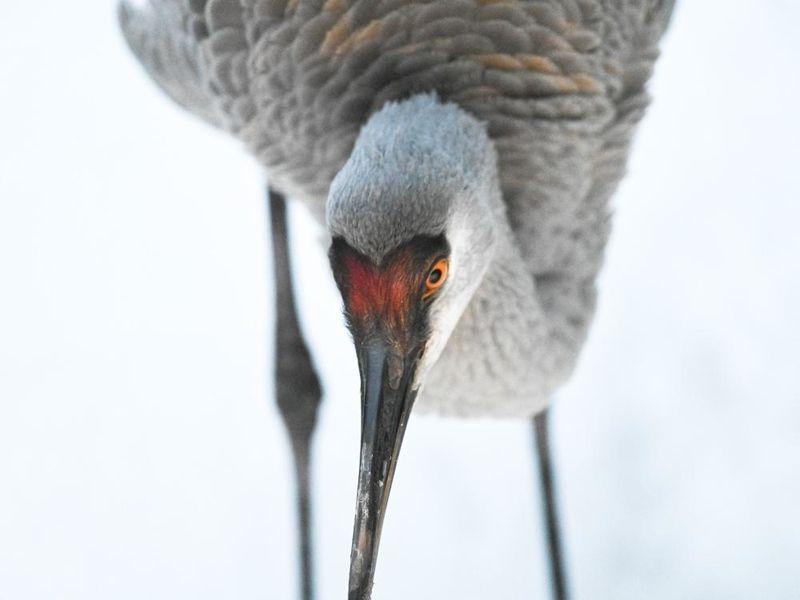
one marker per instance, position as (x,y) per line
(140,452)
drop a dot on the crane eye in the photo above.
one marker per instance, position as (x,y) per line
(436,277)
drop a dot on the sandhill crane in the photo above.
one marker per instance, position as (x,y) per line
(462,154)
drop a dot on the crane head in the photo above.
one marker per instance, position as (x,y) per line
(388,312)
(412,216)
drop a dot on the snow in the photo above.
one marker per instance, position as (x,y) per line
(140,452)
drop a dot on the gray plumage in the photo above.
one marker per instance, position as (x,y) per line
(515,155)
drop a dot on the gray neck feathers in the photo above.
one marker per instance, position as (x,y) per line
(415,165)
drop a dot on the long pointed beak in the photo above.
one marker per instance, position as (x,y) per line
(386,402)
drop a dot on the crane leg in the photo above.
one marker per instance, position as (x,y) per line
(297,387)
(558,581)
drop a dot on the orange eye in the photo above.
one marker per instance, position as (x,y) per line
(436,277)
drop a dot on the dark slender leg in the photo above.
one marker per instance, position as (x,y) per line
(297,388)
(556,557)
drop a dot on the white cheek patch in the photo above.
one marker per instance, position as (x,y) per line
(449,305)
(442,322)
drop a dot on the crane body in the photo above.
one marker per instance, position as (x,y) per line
(461,154)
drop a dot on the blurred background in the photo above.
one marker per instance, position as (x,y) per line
(141,455)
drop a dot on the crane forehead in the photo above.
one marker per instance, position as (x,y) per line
(380,290)
(386,294)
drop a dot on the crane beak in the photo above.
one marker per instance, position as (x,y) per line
(386,402)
